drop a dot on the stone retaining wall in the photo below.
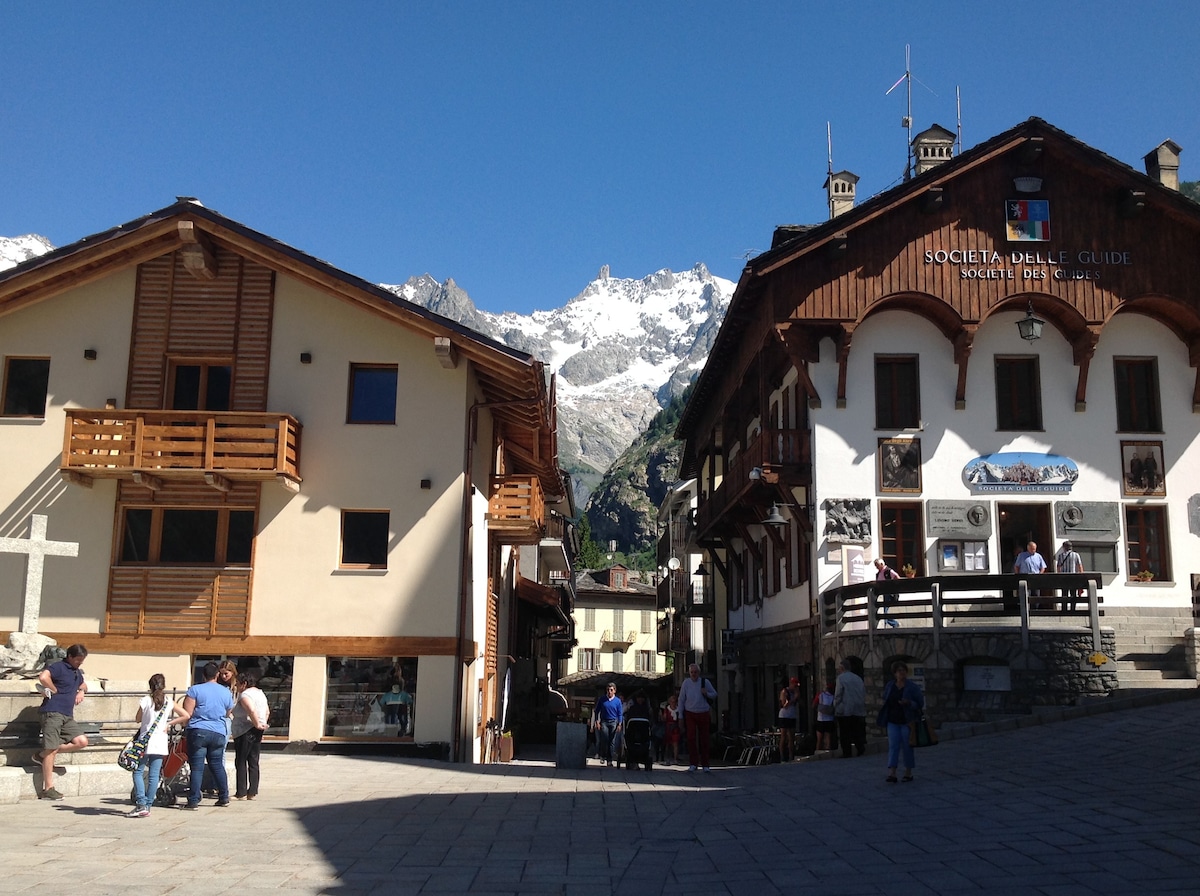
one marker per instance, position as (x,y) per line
(1058,669)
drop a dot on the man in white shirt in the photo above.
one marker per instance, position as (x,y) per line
(694,695)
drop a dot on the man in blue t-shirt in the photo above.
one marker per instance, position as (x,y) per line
(63,687)
(207,705)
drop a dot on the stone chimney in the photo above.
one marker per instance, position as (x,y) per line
(932,147)
(1162,164)
(840,189)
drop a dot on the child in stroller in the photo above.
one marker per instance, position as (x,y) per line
(638,727)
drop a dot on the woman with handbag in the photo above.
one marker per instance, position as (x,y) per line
(250,715)
(155,714)
(903,703)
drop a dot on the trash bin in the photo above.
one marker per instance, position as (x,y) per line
(570,745)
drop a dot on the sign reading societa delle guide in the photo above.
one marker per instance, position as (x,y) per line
(1021,471)
(1028,221)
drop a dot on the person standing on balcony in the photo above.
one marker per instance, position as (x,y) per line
(1030,562)
(694,696)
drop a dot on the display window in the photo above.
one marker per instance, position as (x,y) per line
(371,697)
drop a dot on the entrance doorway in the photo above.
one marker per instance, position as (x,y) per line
(1019,525)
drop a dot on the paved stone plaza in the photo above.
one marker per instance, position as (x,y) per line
(1109,803)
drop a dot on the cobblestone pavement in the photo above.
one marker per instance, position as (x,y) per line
(1109,803)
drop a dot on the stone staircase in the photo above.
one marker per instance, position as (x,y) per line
(1150,647)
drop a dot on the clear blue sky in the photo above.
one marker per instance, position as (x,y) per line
(518,146)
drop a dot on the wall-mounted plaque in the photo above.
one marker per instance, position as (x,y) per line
(959,519)
(1087,520)
(847,520)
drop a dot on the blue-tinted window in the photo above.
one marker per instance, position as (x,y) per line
(372,394)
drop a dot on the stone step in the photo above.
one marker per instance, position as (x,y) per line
(1148,678)
(91,779)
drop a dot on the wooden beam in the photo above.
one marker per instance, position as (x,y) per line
(197,253)
(77,478)
(289,483)
(154,483)
(268,645)
(446,354)
(217,481)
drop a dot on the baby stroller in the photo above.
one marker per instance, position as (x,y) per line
(637,743)
(175,776)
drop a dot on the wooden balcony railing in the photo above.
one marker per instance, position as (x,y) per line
(517,509)
(116,444)
(965,602)
(178,601)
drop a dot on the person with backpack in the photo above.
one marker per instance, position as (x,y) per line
(884,573)
(1068,560)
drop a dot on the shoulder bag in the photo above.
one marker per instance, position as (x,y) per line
(131,755)
(921,733)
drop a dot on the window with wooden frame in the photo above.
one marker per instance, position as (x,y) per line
(186,536)
(647,621)
(1018,394)
(26,387)
(1138,404)
(1146,541)
(618,623)
(372,393)
(901,535)
(897,392)
(200,384)
(589,619)
(587,659)
(365,539)
(618,661)
(645,661)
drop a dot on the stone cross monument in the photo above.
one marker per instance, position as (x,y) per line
(38,548)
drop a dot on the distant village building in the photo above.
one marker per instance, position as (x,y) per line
(616,626)
(983,356)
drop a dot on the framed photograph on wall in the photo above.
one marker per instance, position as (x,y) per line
(899,463)
(1142,472)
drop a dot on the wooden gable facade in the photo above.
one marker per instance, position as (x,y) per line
(784,423)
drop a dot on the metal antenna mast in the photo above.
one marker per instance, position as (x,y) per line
(906,122)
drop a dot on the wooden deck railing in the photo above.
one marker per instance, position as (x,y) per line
(783,450)
(178,601)
(517,507)
(114,444)
(964,601)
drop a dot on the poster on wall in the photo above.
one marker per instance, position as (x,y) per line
(1142,471)
(899,462)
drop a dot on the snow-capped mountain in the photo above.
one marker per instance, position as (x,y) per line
(14,250)
(621,348)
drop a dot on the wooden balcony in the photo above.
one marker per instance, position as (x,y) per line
(153,446)
(517,509)
(178,601)
(782,453)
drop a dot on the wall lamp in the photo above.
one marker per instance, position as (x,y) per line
(775,518)
(89,354)
(306,357)
(1030,327)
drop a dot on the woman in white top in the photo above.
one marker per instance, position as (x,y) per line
(250,715)
(155,714)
